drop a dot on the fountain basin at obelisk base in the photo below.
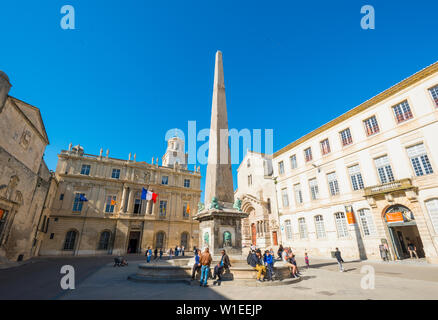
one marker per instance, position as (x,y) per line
(180,270)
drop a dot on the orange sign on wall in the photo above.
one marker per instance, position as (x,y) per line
(350,218)
(394,217)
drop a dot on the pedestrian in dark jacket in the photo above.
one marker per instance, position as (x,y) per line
(339,259)
(219,268)
(155,253)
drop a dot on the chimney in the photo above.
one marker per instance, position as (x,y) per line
(5,85)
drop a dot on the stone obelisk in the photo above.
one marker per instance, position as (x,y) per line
(220,219)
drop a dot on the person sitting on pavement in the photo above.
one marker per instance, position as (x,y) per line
(219,268)
(256,261)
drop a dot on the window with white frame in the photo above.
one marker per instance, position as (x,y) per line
(355,177)
(303,228)
(110,203)
(341,225)
(333,183)
(164,180)
(432,209)
(402,112)
(288,227)
(319,227)
(163,207)
(308,154)
(367,222)
(371,126)
(115,174)
(281,167)
(325,146)
(186,183)
(434,92)
(384,169)
(85,169)
(420,160)
(293,162)
(314,192)
(285,198)
(346,138)
(298,194)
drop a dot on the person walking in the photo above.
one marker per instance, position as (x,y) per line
(205,261)
(339,259)
(256,261)
(155,253)
(176,251)
(197,265)
(161,253)
(306,260)
(219,268)
(170,253)
(182,251)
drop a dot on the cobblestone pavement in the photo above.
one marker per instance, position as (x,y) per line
(96,278)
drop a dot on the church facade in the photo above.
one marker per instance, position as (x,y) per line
(98,206)
(256,190)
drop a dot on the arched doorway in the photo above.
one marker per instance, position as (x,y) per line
(403,231)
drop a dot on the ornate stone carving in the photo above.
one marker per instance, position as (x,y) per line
(200,206)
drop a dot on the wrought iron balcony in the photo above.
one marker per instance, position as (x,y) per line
(398,185)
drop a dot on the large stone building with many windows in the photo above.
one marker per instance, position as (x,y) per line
(367,180)
(98,207)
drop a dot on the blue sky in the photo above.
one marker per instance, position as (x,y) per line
(133,69)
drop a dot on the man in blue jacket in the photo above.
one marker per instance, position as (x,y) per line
(197,265)
(269,263)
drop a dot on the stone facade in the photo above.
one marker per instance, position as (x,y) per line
(257,193)
(24,177)
(340,185)
(115,220)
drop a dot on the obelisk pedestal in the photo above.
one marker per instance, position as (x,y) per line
(220,221)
